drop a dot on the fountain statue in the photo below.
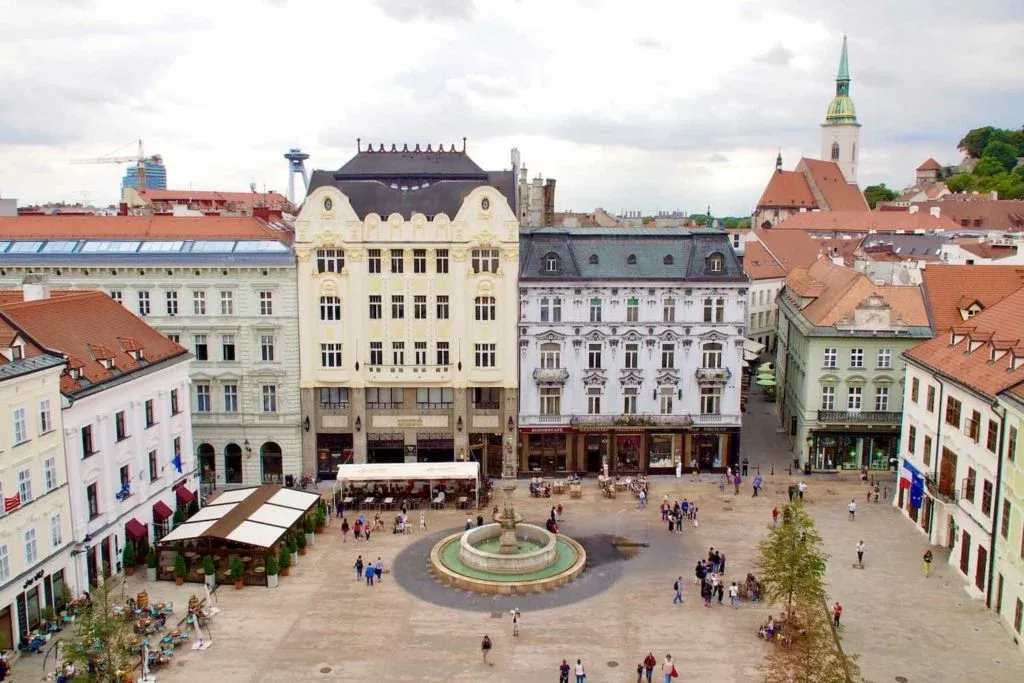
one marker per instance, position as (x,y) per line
(507,517)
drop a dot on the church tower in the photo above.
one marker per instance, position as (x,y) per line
(840,134)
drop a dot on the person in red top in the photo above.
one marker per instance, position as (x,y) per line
(775,516)
(563,672)
(837,612)
(649,663)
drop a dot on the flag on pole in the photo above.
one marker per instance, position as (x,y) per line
(907,472)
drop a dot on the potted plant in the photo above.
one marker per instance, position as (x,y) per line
(180,570)
(193,507)
(300,542)
(293,550)
(237,572)
(128,559)
(309,527)
(209,571)
(179,518)
(271,568)
(320,520)
(151,565)
(285,559)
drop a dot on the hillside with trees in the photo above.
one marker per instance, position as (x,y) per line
(996,151)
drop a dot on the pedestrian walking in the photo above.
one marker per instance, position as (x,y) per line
(668,669)
(581,672)
(746,466)
(678,599)
(378,569)
(469,522)
(517,618)
(639,672)
(366,531)
(852,508)
(423,521)
(719,590)
(792,490)
(641,500)
(758,483)
(734,595)
(927,563)
(801,489)
(723,481)
(860,552)
(837,612)
(485,648)
(344,530)
(369,574)
(721,563)
(563,672)
(649,663)
(775,517)
(736,481)
(357,530)
(693,515)
(359,567)
(698,572)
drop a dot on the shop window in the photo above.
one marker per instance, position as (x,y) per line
(627,452)
(662,450)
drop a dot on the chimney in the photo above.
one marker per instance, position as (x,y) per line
(935,211)
(35,287)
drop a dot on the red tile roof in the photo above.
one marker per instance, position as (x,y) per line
(759,264)
(930,165)
(141,227)
(986,249)
(1002,324)
(89,327)
(839,194)
(246,200)
(787,189)
(971,212)
(792,249)
(951,288)
(865,221)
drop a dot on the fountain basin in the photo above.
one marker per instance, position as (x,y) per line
(537,550)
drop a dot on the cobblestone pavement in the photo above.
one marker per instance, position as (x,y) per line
(322,624)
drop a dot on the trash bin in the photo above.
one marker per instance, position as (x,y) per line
(807,467)
(289,480)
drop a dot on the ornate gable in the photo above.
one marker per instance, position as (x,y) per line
(595,378)
(631,378)
(551,336)
(714,335)
(668,376)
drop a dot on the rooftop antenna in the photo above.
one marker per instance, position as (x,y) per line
(296,165)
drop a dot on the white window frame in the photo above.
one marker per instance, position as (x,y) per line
(266,302)
(854,398)
(227,302)
(828,398)
(594,401)
(884,359)
(25,485)
(31,546)
(881,399)
(267,348)
(199,302)
(667,399)
(830,358)
(269,395)
(857,357)
(550,401)
(56,531)
(19,425)
(50,473)
(203,398)
(330,354)
(629,396)
(230,398)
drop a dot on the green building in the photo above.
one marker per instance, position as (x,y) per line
(840,373)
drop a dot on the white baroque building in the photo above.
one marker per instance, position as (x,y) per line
(407,263)
(221,286)
(631,349)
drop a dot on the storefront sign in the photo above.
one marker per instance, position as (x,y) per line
(410,421)
(544,430)
(713,430)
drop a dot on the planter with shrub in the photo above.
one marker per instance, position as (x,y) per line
(285,558)
(180,569)
(293,550)
(128,559)
(151,565)
(320,519)
(237,573)
(301,541)
(209,572)
(271,569)
(309,527)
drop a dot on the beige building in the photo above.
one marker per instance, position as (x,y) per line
(407,264)
(35,520)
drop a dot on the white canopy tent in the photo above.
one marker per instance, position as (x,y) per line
(411,471)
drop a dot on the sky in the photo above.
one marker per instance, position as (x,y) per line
(642,105)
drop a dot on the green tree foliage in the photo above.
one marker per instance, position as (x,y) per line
(1003,152)
(961,182)
(996,170)
(791,561)
(101,638)
(977,140)
(815,655)
(878,193)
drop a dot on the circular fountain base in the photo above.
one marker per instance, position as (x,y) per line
(471,560)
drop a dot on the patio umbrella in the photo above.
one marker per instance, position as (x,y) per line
(766,382)
(766,375)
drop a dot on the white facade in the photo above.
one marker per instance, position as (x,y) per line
(142,459)
(763,311)
(35,518)
(841,143)
(951,436)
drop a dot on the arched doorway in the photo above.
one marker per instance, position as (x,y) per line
(207,463)
(270,462)
(232,464)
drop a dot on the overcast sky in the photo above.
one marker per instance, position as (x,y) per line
(645,104)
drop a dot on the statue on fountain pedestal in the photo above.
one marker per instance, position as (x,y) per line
(508,516)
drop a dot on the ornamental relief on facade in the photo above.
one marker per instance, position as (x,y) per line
(303,255)
(666,377)
(630,378)
(595,378)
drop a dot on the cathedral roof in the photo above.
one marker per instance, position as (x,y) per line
(789,189)
(841,110)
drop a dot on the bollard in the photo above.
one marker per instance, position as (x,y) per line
(773,469)
(759,468)
(886,494)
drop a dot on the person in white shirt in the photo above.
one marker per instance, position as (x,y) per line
(802,488)
(853,508)
(734,595)
(581,673)
(860,553)
(667,667)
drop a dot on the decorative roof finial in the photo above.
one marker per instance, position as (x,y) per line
(844,64)
(778,161)
(359,143)
(463,144)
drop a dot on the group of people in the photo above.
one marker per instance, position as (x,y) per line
(370,571)
(708,573)
(797,490)
(676,513)
(668,668)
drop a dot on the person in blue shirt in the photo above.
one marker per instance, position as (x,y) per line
(369,574)
(758,482)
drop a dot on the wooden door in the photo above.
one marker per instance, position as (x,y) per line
(947,471)
(950,532)
(965,552)
(981,568)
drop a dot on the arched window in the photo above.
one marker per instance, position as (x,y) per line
(712,355)
(716,263)
(593,259)
(668,260)
(552,263)
(631,259)
(550,355)
(271,463)
(233,463)
(207,462)
(835,151)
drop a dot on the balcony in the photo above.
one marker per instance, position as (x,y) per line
(631,420)
(718,420)
(939,490)
(550,375)
(408,373)
(553,420)
(713,376)
(860,417)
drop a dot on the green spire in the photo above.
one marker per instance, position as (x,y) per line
(844,65)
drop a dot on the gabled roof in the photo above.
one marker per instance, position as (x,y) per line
(89,327)
(759,264)
(792,249)
(985,249)
(1001,327)
(828,179)
(787,189)
(865,221)
(930,165)
(64,227)
(952,288)
(837,291)
(1005,215)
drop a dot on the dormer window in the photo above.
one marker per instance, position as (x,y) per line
(593,259)
(108,363)
(136,355)
(716,263)
(668,260)
(17,352)
(75,373)
(552,264)
(631,259)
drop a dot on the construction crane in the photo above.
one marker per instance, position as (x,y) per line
(139,159)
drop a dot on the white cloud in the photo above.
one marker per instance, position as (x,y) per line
(643,105)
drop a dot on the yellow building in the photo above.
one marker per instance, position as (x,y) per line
(1009,541)
(408,310)
(35,520)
